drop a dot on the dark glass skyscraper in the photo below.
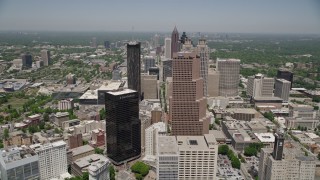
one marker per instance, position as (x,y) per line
(123,126)
(133,66)
(278,146)
(174,41)
(285,74)
(26,60)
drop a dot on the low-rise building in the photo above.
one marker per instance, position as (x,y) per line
(75,141)
(267,139)
(66,104)
(245,114)
(19,163)
(79,152)
(97,138)
(97,161)
(60,117)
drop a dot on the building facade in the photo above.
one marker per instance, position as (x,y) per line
(149,86)
(167,48)
(260,86)
(134,66)
(123,126)
(52,159)
(174,41)
(229,70)
(151,137)
(65,104)
(285,74)
(45,57)
(167,69)
(26,60)
(213,83)
(282,89)
(187,103)
(203,52)
(19,163)
(148,62)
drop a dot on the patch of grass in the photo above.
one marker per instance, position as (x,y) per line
(15,103)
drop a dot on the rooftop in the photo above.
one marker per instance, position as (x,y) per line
(88,160)
(81,149)
(125,91)
(196,142)
(167,145)
(242,110)
(111,86)
(90,94)
(42,147)
(265,137)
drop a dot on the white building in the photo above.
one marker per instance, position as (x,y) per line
(65,104)
(52,159)
(197,157)
(99,170)
(167,158)
(167,48)
(282,89)
(187,157)
(151,137)
(260,86)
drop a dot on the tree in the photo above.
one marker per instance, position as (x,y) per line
(112,173)
(102,114)
(46,117)
(223,149)
(140,168)
(6,133)
(98,151)
(138,176)
(85,176)
(250,151)
(318,156)
(269,115)
(33,129)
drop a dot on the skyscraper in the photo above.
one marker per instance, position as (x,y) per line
(134,66)
(203,51)
(94,42)
(167,69)
(229,70)
(260,86)
(106,44)
(278,146)
(187,104)
(282,89)
(123,125)
(26,60)
(285,74)
(167,48)
(148,62)
(45,57)
(174,41)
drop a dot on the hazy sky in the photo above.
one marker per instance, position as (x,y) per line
(269,16)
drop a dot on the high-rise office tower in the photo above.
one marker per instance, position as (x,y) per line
(174,41)
(278,146)
(167,69)
(149,86)
(52,159)
(106,44)
(123,126)
(187,104)
(167,48)
(45,57)
(260,86)
(148,62)
(134,66)
(94,42)
(203,51)
(213,83)
(26,60)
(229,70)
(183,38)
(285,74)
(282,89)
